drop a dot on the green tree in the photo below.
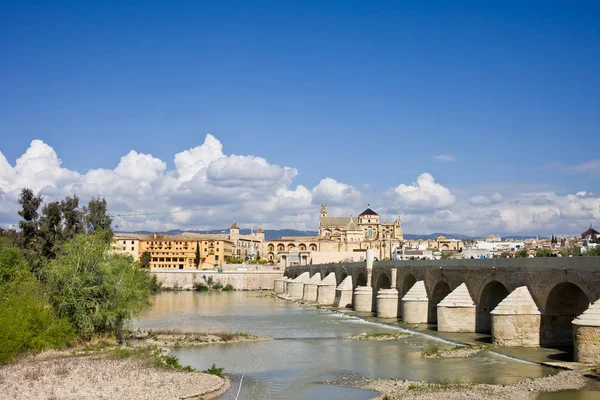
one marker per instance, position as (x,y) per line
(27,322)
(97,219)
(523,253)
(30,203)
(51,232)
(145,259)
(95,290)
(541,252)
(72,216)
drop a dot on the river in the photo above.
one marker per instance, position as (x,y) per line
(311,347)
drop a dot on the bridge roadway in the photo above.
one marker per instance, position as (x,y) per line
(520,301)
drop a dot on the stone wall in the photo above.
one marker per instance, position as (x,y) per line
(240,280)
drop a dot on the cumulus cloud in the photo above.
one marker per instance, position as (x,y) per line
(424,194)
(445,157)
(208,188)
(333,192)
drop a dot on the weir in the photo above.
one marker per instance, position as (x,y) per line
(521,302)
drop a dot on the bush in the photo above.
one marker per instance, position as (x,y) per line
(95,290)
(200,287)
(215,371)
(218,285)
(228,288)
(27,322)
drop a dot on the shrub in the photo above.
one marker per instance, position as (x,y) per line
(218,285)
(228,288)
(200,287)
(27,322)
(95,290)
(215,371)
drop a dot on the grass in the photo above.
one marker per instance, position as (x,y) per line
(149,356)
(228,288)
(214,370)
(431,351)
(218,285)
(200,287)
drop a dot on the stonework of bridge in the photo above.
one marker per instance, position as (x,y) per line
(520,301)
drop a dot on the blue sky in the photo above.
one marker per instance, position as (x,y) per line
(365,93)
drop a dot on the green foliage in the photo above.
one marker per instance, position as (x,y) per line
(97,219)
(541,252)
(95,290)
(218,285)
(27,323)
(234,260)
(145,259)
(431,350)
(200,287)
(215,371)
(593,251)
(523,253)
(228,288)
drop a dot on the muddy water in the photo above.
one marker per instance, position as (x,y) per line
(311,346)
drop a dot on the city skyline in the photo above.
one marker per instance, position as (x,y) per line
(472,119)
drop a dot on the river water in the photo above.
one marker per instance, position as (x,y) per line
(311,347)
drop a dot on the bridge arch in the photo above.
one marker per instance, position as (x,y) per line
(383,282)
(361,280)
(439,291)
(407,283)
(565,301)
(341,275)
(490,296)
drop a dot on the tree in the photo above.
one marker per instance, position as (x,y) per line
(523,253)
(145,259)
(197,259)
(541,252)
(97,291)
(97,218)
(72,216)
(51,232)
(30,202)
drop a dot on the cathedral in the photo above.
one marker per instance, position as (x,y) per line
(366,227)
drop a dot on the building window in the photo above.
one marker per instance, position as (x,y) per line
(216,257)
(131,248)
(123,248)
(132,242)
(123,242)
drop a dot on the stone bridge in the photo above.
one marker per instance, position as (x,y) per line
(520,301)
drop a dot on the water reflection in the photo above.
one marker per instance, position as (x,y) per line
(311,347)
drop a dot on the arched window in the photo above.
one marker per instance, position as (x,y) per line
(370,233)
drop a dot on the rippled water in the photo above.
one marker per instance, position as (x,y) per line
(311,347)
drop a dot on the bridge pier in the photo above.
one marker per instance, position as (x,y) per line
(310,288)
(363,299)
(387,303)
(586,336)
(326,290)
(457,311)
(343,293)
(516,320)
(296,287)
(415,304)
(279,285)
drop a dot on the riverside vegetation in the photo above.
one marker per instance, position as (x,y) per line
(59,282)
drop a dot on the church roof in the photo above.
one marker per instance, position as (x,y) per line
(368,211)
(234,225)
(591,231)
(335,221)
(260,230)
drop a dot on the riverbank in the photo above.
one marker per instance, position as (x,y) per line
(105,373)
(528,389)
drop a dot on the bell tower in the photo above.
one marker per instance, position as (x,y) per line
(323,210)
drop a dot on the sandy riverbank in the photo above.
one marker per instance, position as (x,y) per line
(526,390)
(176,338)
(99,376)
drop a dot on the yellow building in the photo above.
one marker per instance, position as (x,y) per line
(169,252)
(215,251)
(128,244)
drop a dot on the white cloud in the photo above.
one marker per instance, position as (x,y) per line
(424,194)
(445,157)
(331,191)
(208,188)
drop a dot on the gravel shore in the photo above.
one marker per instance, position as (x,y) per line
(94,377)
(526,390)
